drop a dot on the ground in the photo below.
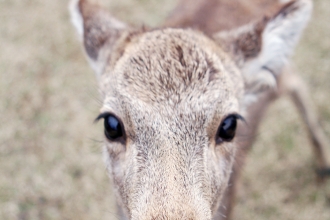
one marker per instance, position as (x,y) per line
(50,150)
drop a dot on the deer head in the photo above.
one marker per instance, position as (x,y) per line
(172,99)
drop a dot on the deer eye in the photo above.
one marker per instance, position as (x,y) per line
(112,127)
(227,129)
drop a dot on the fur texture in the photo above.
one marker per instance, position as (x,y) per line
(172,88)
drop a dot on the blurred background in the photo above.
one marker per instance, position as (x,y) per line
(51,164)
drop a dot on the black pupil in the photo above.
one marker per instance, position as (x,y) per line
(227,129)
(112,127)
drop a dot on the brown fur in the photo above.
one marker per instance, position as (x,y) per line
(172,88)
(215,15)
(179,82)
(212,16)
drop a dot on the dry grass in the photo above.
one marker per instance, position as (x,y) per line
(50,154)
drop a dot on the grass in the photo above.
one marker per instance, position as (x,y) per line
(50,152)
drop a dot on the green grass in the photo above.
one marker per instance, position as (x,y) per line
(50,157)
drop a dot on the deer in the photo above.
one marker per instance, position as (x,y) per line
(182,102)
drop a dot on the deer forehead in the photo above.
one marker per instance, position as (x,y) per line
(172,70)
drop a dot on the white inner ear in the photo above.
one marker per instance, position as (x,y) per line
(76,18)
(279,40)
(78,22)
(281,36)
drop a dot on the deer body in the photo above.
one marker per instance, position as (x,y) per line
(218,15)
(172,97)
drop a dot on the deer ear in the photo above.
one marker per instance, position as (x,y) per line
(262,49)
(97,29)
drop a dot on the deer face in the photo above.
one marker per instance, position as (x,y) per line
(171,103)
(173,110)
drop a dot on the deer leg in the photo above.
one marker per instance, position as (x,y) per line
(295,87)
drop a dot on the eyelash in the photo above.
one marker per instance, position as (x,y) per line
(102,116)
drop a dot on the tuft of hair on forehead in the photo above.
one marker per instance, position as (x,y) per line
(174,65)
